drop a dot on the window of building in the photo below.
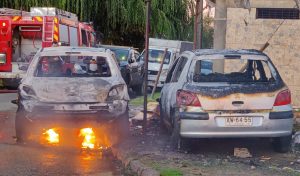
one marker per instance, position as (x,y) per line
(277,13)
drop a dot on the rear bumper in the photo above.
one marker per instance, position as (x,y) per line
(214,127)
(152,78)
(37,111)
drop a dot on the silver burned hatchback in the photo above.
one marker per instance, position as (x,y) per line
(225,94)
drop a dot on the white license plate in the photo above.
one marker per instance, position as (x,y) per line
(238,121)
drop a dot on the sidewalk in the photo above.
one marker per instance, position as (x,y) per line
(152,154)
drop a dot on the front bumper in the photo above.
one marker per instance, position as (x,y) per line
(214,126)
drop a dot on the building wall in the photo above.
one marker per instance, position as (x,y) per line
(245,31)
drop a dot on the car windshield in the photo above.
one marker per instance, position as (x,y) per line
(121,54)
(156,56)
(235,71)
(72,66)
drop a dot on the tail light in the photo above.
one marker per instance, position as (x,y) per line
(27,91)
(283,98)
(186,98)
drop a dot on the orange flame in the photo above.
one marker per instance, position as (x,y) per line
(52,136)
(89,138)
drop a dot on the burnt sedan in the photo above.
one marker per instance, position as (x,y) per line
(226,94)
(67,84)
(132,68)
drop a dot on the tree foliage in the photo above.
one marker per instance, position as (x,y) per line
(123,21)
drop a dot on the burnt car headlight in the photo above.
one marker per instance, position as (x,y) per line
(27,91)
(116,93)
(2,58)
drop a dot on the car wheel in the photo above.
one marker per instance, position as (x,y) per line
(282,144)
(122,127)
(21,126)
(179,143)
(162,125)
(139,89)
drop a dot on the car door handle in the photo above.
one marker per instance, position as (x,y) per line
(237,103)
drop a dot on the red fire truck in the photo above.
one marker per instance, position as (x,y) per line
(22,33)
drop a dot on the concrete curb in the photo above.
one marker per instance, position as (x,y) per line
(133,164)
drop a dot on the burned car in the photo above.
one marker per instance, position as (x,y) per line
(132,68)
(69,84)
(226,94)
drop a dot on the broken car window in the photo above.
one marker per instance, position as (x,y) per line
(235,71)
(72,66)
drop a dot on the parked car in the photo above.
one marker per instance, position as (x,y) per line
(132,69)
(245,98)
(71,84)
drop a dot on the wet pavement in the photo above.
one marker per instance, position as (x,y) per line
(19,159)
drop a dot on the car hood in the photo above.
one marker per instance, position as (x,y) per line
(72,90)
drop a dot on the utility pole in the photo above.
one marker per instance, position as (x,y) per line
(198,25)
(148,8)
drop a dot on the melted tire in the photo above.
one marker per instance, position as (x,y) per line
(282,144)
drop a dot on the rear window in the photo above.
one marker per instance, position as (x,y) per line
(235,71)
(72,66)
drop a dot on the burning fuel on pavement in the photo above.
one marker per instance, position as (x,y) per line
(89,138)
(51,136)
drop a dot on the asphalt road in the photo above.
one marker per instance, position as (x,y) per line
(45,160)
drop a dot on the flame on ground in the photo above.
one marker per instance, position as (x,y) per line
(89,138)
(52,136)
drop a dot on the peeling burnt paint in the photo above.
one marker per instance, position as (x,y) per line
(222,91)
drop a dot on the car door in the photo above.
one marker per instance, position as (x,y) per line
(175,85)
(165,90)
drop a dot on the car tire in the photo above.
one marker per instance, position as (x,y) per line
(282,144)
(139,89)
(21,126)
(122,127)
(162,126)
(178,142)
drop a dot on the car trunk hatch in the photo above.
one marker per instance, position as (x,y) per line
(234,97)
(71,90)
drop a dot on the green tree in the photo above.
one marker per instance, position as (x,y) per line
(122,22)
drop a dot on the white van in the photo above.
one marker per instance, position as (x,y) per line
(156,52)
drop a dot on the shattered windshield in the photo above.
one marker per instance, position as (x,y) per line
(156,56)
(235,71)
(72,66)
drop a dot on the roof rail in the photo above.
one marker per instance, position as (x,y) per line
(13,12)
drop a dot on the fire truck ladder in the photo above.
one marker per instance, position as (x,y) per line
(48,25)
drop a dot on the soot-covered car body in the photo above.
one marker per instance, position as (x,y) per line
(245,98)
(131,67)
(71,84)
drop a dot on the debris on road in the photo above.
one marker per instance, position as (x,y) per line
(296,137)
(242,153)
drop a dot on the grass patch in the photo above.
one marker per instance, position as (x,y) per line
(165,171)
(170,172)
(138,101)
